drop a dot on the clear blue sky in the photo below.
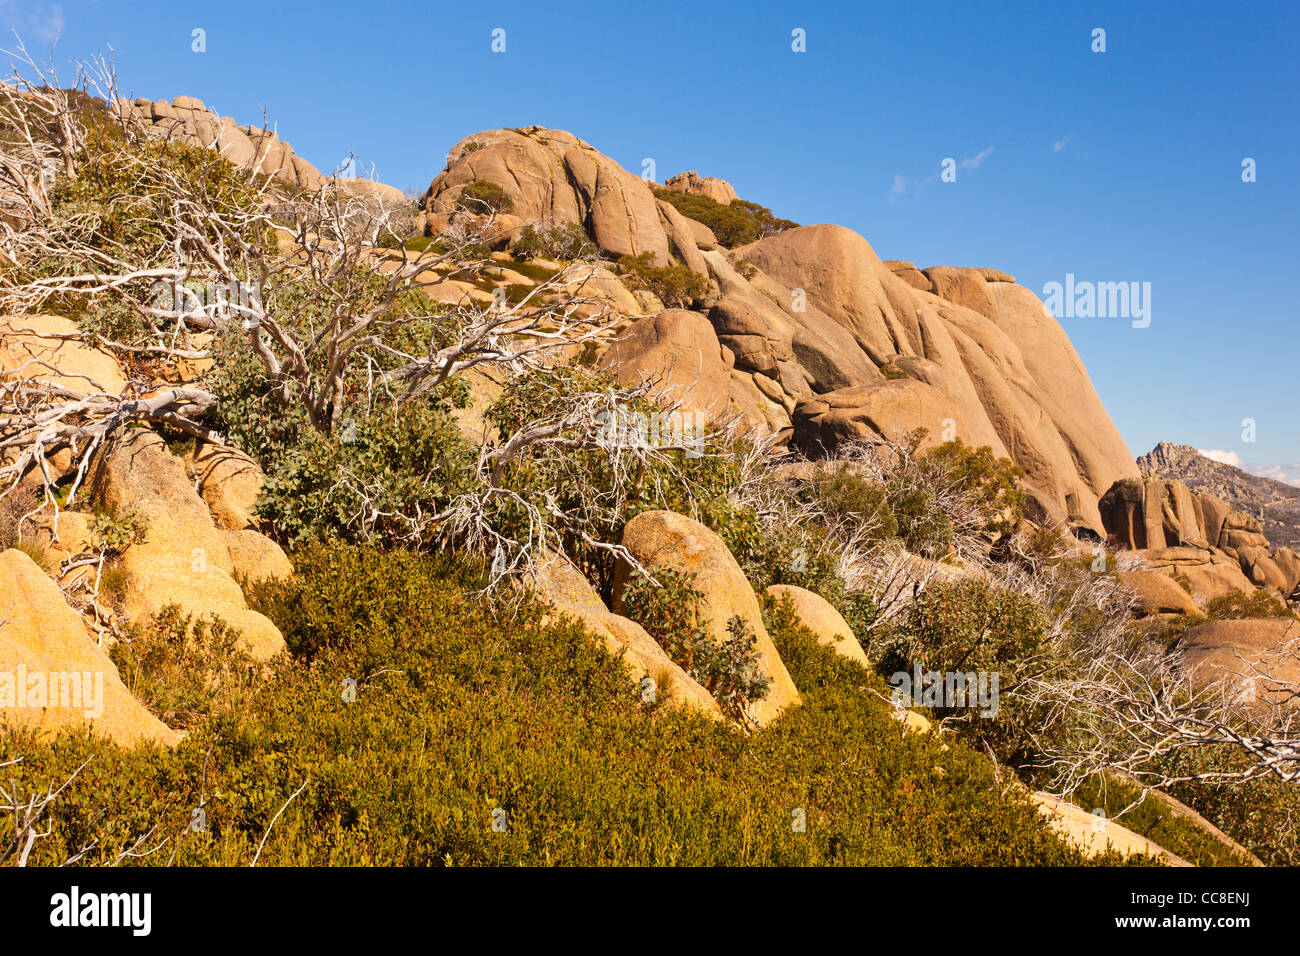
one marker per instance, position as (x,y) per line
(1115,166)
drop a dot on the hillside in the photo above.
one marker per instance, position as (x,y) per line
(1274,503)
(564,518)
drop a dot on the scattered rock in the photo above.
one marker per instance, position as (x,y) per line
(666,539)
(230,482)
(820,617)
(1095,834)
(185,560)
(560,583)
(1241,653)
(45,649)
(1159,594)
(255,557)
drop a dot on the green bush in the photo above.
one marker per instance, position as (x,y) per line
(677,287)
(112,532)
(1262,814)
(971,627)
(482,196)
(733,224)
(380,478)
(844,495)
(922,525)
(185,669)
(1236,606)
(458,714)
(567,241)
(993,484)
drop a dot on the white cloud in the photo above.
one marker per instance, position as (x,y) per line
(1227,457)
(971,162)
(1061,143)
(49,22)
(899,185)
(1289,474)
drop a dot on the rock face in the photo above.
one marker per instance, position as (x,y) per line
(666,539)
(1274,504)
(990,348)
(52,673)
(893,408)
(560,583)
(821,341)
(1256,657)
(719,190)
(185,559)
(823,620)
(553,176)
(680,349)
(1179,527)
(187,120)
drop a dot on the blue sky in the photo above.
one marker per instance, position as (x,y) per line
(1115,166)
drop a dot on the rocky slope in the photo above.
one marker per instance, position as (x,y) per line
(806,333)
(809,334)
(1275,504)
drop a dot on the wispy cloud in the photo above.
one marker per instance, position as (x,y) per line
(42,20)
(973,162)
(1063,142)
(903,185)
(1288,473)
(49,22)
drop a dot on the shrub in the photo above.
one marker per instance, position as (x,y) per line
(733,224)
(991,484)
(382,477)
(969,626)
(922,525)
(458,713)
(567,241)
(1236,606)
(675,286)
(112,532)
(584,484)
(1261,814)
(185,669)
(863,503)
(484,197)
